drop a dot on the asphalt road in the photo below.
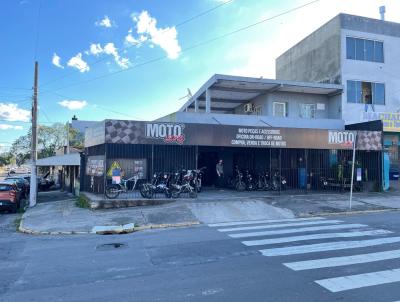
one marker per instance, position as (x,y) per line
(210,263)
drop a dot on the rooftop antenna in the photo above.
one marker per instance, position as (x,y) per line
(382,11)
(188,97)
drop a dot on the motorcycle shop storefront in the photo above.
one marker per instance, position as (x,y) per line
(308,159)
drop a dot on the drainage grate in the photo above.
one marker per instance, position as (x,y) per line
(110,246)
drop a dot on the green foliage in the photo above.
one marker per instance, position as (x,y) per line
(6,159)
(17,222)
(50,139)
(82,202)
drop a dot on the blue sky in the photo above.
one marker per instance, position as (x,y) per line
(88,40)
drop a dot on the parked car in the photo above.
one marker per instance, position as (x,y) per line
(21,183)
(44,183)
(10,196)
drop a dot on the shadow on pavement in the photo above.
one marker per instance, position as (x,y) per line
(51,196)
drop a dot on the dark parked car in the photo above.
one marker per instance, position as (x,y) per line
(10,196)
(44,183)
(21,183)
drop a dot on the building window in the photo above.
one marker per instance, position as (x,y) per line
(307,110)
(365,93)
(279,109)
(258,110)
(364,50)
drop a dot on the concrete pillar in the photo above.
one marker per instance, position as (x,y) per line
(208,101)
(196,105)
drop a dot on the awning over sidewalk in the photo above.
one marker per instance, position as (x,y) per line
(72,159)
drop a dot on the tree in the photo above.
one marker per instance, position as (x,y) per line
(50,139)
(6,158)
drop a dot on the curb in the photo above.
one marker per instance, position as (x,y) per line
(347,213)
(24,230)
(167,225)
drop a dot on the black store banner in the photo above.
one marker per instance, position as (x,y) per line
(135,132)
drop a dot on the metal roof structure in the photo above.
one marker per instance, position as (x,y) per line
(226,92)
(71,159)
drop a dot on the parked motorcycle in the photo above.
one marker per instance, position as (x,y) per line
(198,178)
(159,184)
(249,181)
(263,182)
(278,182)
(238,182)
(183,184)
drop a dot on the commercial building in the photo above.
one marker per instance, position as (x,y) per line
(362,54)
(251,123)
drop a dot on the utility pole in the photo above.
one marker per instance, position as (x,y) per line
(352,171)
(33,182)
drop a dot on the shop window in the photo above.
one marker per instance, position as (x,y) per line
(368,93)
(307,110)
(364,50)
(279,109)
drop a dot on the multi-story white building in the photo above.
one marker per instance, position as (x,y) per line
(363,55)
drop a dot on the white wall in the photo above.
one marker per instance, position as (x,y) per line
(294,101)
(387,72)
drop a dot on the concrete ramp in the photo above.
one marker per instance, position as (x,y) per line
(222,211)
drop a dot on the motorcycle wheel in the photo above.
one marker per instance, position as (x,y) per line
(145,191)
(168,194)
(240,186)
(192,194)
(112,191)
(175,194)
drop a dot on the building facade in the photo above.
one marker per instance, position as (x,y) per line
(362,54)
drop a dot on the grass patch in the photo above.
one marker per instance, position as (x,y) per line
(82,202)
(17,222)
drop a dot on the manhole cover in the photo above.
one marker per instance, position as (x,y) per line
(110,246)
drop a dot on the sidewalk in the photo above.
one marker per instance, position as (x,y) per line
(328,204)
(63,217)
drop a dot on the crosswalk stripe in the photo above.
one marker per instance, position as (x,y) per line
(361,280)
(343,260)
(280,225)
(315,237)
(298,230)
(329,246)
(223,224)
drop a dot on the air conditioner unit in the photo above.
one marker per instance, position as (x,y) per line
(249,107)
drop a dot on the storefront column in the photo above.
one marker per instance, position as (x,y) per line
(197,157)
(152,161)
(208,101)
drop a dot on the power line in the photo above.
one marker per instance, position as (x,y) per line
(191,47)
(140,43)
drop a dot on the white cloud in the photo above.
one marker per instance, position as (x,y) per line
(10,127)
(95,49)
(56,61)
(130,40)
(109,49)
(73,104)
(166,37)
(12,113)
(105,22)
(78,63)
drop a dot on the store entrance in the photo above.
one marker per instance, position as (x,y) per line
(208,160)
